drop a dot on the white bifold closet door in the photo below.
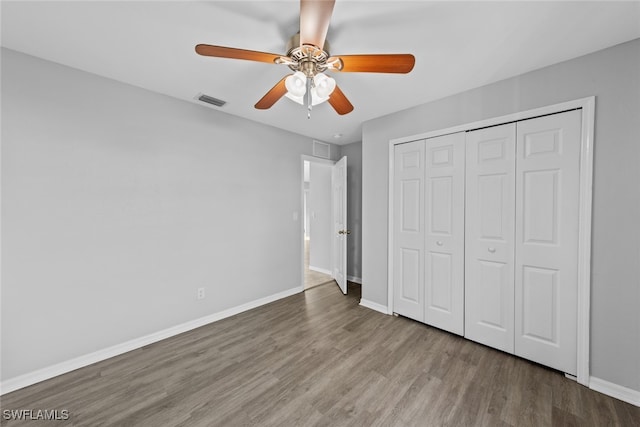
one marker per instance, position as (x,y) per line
(428,213)
(444,233)
(489,245)
(486,235)
(408,230)
(522,201)
(546,263)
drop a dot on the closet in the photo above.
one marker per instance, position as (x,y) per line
(485,235)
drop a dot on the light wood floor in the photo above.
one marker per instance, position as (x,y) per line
(318,358)
(312,278)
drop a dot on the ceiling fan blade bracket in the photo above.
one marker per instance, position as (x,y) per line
(285,60)
(334,63)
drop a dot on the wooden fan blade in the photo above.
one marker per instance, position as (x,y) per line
(339,102)
(315,16)
(382,63)
(233,53)
(273,95)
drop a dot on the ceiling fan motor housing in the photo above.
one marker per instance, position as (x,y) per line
(308,58)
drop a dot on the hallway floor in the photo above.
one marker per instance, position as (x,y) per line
(312,278)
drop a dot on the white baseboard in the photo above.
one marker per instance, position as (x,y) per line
(355,279)
(321,270)
(374,306)
(614,390)
(34,377)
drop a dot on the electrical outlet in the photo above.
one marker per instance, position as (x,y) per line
(200,294)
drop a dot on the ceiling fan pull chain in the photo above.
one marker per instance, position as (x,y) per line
(309,100)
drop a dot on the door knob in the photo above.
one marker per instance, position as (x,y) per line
(439,243)
(492,250)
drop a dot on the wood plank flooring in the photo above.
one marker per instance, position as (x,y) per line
(318,359)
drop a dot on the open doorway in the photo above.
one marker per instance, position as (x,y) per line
(317,222)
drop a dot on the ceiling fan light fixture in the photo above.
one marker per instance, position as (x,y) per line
(324,85)
(296,84)
(308,57)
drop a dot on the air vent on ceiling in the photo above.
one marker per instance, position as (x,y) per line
(211,100)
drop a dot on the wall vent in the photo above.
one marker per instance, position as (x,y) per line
(321,149)
(211,100)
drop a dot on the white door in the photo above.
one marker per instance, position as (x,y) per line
(489,236)
(340,232)
(408,230)
(444,232)
(546,264)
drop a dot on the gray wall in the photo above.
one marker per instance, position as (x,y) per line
(320,219)
(613,76)
(354,208)
(117,203)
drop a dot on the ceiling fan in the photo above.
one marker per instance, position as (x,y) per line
(308,56)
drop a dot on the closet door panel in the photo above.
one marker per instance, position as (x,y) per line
(444,239)
(547,203)
(489,236)
(408,232)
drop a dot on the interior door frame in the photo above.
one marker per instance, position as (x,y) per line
(303,158)
(587,105)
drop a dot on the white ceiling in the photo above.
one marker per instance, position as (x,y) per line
(457,45)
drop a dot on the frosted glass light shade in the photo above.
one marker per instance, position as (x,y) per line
(296,84)
(324,85)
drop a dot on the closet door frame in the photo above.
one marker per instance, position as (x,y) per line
(587,105)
